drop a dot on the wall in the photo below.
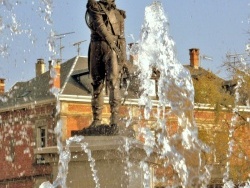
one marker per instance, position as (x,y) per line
(18,140)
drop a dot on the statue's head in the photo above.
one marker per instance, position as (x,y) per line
(110,2)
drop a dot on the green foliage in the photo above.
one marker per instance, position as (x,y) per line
(239,69)
(244,89)
(208,90)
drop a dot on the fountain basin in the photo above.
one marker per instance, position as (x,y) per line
(116,165)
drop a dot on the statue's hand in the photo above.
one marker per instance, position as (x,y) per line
(117,50)
(113,45)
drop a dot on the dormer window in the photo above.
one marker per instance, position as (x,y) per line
(24,94)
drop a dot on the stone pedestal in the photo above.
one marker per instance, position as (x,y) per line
(117,162)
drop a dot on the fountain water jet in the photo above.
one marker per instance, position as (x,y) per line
(175,89)
(243,66)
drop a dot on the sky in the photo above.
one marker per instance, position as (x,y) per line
(216,27)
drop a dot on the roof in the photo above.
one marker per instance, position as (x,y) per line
(209,88)
(38,88)
(75,81)
(196,73)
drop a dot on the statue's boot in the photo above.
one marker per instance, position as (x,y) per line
(95,123)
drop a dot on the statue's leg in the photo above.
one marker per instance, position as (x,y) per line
(97,103)
(113,77)
(97,71)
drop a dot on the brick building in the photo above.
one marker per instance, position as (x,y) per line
(29,113)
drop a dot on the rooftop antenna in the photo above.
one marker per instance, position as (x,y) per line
(237,61)
(236,57)
(205,57)
(78,46)
(60,36)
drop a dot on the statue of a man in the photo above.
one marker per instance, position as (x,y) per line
(107,55)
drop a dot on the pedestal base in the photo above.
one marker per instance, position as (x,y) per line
(99,130)
(119,162)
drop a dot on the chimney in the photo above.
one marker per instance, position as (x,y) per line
(2,86)
(40,67)
(55,74)
(194,54)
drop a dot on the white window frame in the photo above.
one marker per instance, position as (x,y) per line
(41,126)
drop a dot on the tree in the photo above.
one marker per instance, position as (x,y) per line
(209,90)
(238,66)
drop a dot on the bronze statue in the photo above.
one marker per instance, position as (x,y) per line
(106,56)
